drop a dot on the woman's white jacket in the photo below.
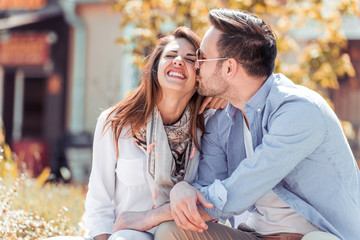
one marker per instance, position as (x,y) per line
(116,184)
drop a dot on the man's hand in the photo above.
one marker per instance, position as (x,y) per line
(143,221)
(212,102)
(183,203)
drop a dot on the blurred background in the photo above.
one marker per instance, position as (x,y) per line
(64,61)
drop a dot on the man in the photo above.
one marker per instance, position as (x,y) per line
(277,150)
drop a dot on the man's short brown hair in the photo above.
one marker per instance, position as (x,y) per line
(246,38)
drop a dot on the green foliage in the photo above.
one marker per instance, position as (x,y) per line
(315,63)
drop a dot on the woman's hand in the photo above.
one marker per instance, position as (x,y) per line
(143,221)
(212,102)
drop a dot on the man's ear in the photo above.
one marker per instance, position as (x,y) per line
(230,68)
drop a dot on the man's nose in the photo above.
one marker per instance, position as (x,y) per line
(197,65)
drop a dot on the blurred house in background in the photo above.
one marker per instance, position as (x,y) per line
(34,43)
(60,67)
(347,98)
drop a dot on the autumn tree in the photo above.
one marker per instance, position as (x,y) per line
(316,62)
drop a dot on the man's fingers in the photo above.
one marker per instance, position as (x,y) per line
(184,223)
(176,218)
(178,212)
(195,217)
(183,204)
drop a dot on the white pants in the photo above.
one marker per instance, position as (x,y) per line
(67,238)
(128,234)
(125,234)
(317,235)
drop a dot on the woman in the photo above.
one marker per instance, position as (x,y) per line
(147,143)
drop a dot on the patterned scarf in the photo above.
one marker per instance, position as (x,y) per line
(179,137)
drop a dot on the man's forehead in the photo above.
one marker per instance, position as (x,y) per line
(210,39)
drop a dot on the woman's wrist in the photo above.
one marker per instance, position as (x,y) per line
(159,215)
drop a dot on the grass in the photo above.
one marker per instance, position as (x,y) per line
(30,211)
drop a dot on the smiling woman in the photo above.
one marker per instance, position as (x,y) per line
(147,143)
(176,76)
(133,149)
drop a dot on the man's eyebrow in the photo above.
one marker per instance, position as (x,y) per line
(204,55)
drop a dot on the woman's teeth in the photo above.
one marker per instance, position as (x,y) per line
(176,74)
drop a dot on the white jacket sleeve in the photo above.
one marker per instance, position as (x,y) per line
(99,209)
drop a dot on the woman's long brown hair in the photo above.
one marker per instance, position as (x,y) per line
(134,110)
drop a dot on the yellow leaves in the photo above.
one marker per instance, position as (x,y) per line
(290,69)
(347,66)
(184,1)
(315,53)
(139,61)
(8,154)
(325,62)
(287,44)
(326,76)
(350,7)
(318,64)
(259,9)
(44,175)
(133,6)
(313,14)
(353,7)
(348,129)
(168,4)
(143,32)
(323,59)
(305,11)
(122,41)
(283,23)
(8,167)
(246,3)
(272,3)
